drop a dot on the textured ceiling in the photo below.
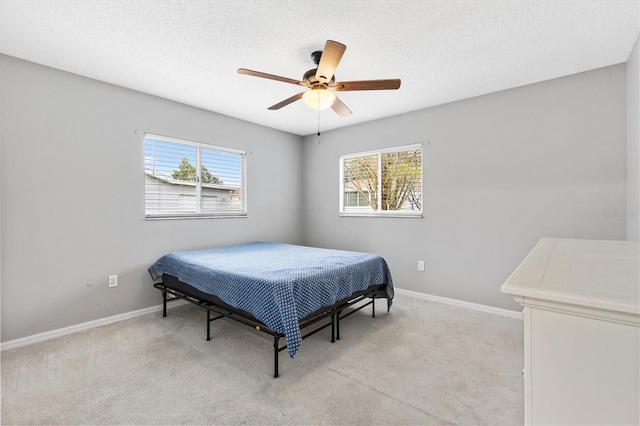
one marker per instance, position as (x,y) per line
(189,51)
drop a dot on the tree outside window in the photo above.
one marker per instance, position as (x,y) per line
(187,172)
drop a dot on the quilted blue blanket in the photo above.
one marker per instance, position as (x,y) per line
(277,283)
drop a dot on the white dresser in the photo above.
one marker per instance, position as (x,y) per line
(581,302)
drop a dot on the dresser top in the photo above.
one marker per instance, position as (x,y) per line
(591,273)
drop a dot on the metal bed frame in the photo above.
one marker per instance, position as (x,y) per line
(213,304)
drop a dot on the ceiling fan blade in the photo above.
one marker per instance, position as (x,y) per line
(344,86)
(330,59)
(287,101)
(270,76)
(340,108)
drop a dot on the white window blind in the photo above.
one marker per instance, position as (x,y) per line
(189,179)
(382,183)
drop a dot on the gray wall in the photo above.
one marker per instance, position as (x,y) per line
(633,144)
(500,172)
(72,174)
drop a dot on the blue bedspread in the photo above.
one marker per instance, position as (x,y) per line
(277,283)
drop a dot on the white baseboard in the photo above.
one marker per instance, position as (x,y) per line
(463,304)
(41,337)
(48,335)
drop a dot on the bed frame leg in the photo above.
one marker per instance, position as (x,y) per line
(164,303)
(373,307)
(333,328)
(208,325)
(338,325)
(276,346)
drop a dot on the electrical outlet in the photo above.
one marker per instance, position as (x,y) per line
(113,281)
(420,265)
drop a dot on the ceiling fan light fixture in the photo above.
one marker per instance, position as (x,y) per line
(318,99)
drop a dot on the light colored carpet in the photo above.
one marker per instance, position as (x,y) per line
(424,363)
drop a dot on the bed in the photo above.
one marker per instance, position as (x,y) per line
(276,288)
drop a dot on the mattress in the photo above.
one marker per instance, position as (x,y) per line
(279,284)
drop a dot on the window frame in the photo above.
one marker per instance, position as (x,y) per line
(198,184)
(382,213)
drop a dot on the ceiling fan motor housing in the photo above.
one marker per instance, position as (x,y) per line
(310,77)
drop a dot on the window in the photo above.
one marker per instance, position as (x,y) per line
(189,179)
(385,182)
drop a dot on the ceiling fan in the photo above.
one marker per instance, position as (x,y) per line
(321,82)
